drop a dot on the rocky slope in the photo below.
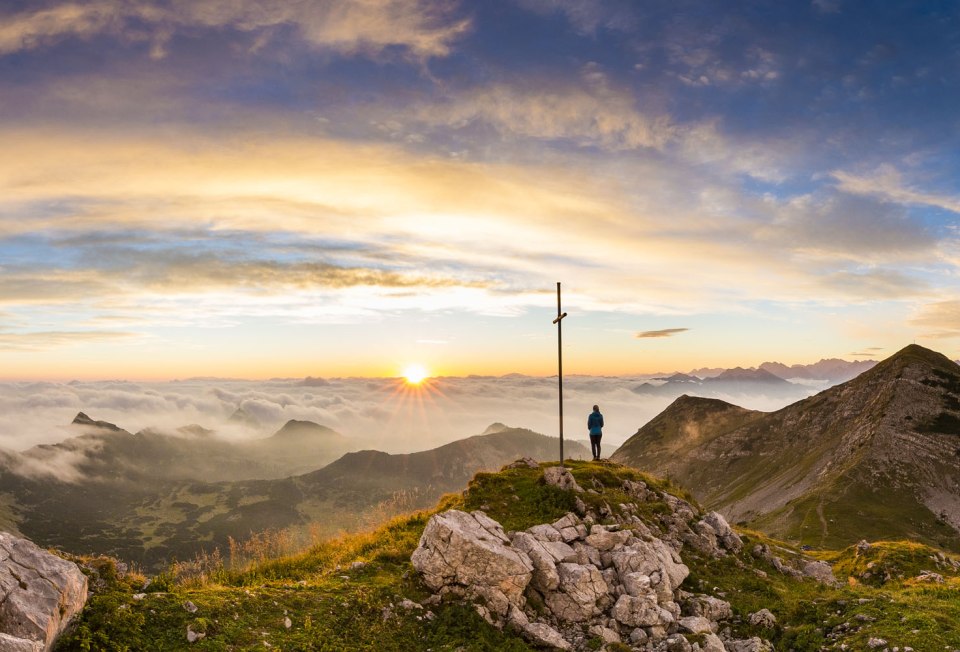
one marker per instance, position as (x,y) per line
(874,457)
(671,578)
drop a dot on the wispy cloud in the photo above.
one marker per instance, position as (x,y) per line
(44,340)
(424,28)
(666,332)
(887,183)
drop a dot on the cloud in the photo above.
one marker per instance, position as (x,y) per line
(423,28)
(666,332)
(587,16)
(838,226)
(593,114)
(373,412)
(887,183)
(943,317)
(44,340)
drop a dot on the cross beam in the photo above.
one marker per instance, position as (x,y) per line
(560,316)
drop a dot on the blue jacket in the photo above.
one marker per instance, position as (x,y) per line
(595,423)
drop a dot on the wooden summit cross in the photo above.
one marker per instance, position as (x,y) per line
(560,316)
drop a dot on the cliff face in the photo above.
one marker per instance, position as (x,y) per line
(872,457)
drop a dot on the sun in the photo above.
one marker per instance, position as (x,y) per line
(415,374)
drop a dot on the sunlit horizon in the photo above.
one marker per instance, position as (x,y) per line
(290,190)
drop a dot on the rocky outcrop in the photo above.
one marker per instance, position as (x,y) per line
(39,594)
(565,584)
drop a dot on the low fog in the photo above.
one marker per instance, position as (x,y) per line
(384,414)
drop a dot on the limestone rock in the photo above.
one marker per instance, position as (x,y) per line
(695,625)
(13,644)
(709,607)
(820,571)
(640,612)
(729,539)
(468,550)
(762,618)
(40,594)
(581,588)
(754,644)
(524,463)
(560,476)
(545,575)
(712,643)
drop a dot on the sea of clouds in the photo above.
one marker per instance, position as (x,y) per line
(385,414)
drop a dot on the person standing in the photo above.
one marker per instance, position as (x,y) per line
(595,426)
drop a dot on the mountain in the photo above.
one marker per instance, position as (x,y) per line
(741,375)
(726,383)
(105,452)
(151,519)
(832,370)
(360,592)
(875,457)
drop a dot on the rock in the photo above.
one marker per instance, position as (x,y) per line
(192,636)
(544,532)
(677,643)
(189,606)
(640,612)
(725,534)
(820,571)
(579,506)
(875,643)
(461,550)
(638,636)
(656,560)
(524,463)
(863,546)
(636,584)
(754,644)
(42,592)
(545,575)
(695,625)
(763,618)
(560,476)
(581,588)
(358,565)
(287,623)
(603,540)
(709,607)
(539,634)
(605,634)
(13,644)
(929,577)
(712,643)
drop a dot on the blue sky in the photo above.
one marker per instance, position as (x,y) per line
(258,189)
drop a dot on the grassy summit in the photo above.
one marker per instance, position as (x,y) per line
(349,593)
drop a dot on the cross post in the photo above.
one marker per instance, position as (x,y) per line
(560,316)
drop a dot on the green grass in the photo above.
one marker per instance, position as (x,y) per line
(334,607)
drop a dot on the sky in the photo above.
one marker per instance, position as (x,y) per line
(260,188)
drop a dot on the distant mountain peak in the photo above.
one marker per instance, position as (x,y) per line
(244,418)
(83,420)
(296,429)
(740,374)
(495,427)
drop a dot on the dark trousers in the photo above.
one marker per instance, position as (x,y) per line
(595,446)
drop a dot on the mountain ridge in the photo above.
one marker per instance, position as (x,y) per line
(868,453)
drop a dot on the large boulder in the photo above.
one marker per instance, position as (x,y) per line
(560,476)
(39,594)
(461,551)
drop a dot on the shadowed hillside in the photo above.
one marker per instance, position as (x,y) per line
(874,457)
